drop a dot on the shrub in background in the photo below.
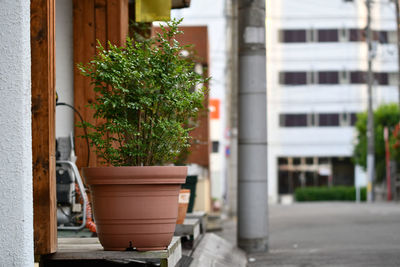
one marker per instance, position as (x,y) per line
(334,193)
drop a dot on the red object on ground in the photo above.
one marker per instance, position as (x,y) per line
(89,219)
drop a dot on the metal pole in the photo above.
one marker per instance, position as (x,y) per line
(387,157)
(252,167)
(396,3)
(370,123)
(232,84)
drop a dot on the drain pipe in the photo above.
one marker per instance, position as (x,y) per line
(252,170)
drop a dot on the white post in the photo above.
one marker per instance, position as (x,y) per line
(16,205)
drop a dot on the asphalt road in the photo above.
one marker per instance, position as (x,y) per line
(330,234)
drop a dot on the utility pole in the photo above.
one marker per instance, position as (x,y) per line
(396,4)
(370,123)
(232,106)
(252,143)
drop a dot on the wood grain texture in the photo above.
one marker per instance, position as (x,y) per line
(94,20)
(84,49)
(43,125)
(117,21)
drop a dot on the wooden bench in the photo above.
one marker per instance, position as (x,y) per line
(202,216)
(89,252)
(189,232)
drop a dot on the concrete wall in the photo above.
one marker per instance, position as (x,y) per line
(313,14)
(16,208)
(64,67)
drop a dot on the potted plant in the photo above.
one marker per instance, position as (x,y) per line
(145,95)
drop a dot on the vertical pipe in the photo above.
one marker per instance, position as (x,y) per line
(252,101)
(370,123)
(396,3)
(232,81)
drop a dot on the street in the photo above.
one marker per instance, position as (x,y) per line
(330,234)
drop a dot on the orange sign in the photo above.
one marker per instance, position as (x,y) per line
(214,106)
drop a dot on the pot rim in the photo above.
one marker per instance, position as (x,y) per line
(135,175)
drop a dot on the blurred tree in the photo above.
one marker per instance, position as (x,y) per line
(386,115)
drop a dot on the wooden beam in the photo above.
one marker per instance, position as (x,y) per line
(43,125)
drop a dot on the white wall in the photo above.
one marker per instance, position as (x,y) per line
(315,14)
(16,206)
(64,67)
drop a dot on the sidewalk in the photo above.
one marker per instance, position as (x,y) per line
(329,234)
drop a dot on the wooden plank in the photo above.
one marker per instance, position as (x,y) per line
(117,21)
(202,216)
(84,50)
(90,249)
(94,20)
(189,227)
(43,125)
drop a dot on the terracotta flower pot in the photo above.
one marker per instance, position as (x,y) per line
(135,207)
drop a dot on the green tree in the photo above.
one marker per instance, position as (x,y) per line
(385,116)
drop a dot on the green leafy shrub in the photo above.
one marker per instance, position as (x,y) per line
(387,115)
(145,97)
(334,193)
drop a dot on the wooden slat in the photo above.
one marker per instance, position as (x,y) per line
(43,125)
(94,20)
(117,21)
(84,50)
(101,21)
(90,249)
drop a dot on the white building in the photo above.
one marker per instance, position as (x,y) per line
(316,64)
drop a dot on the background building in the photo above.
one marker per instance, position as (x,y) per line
(213,15)
(316,84)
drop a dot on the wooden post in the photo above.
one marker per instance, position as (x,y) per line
(43,125)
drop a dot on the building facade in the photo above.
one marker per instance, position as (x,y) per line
(316,84)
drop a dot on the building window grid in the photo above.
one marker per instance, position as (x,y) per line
(298,78)
(345,119)
(334,35)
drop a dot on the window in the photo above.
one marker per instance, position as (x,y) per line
(382,78)
(328,77)
(283,161)
(293,36)
(382,37)
(328,119)
(328,35)
(293,120)
(357,35)
(357,77)
(293,78)
(309,161)
(353,119)
(323,160)
(215,146)
(296,161)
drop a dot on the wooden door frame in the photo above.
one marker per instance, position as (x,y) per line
(43,125)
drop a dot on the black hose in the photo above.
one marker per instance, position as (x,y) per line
(83,126)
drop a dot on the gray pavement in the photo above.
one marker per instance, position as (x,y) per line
(329,234)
